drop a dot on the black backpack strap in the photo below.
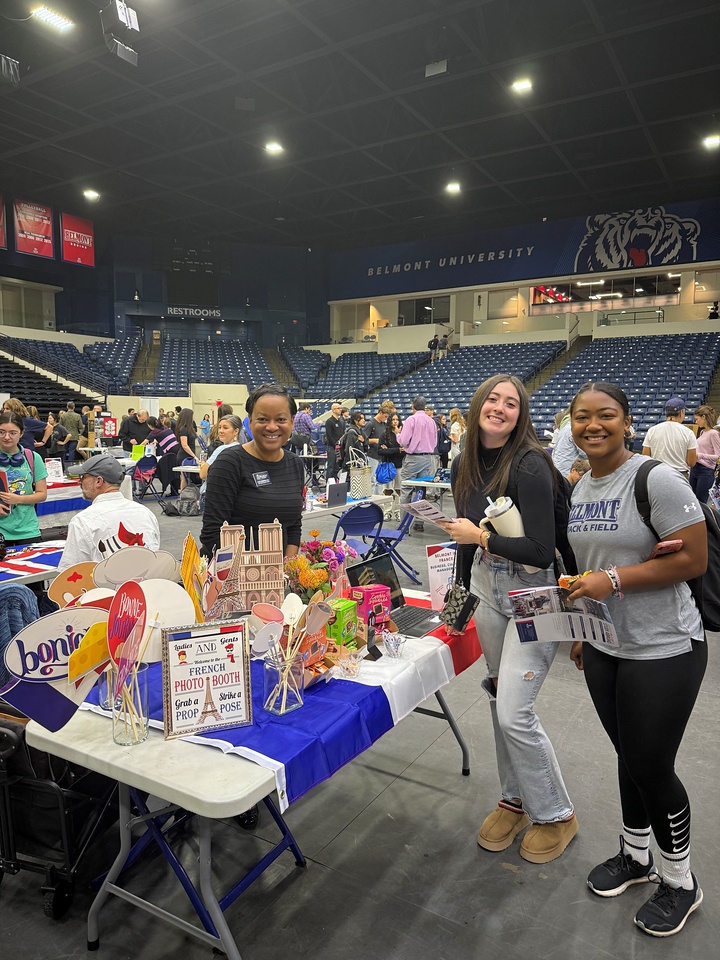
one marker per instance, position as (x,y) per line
(642,500)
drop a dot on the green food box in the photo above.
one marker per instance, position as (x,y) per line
(342,628)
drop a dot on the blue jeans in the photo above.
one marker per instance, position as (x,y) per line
(415,465)
(528,768)
(701,479)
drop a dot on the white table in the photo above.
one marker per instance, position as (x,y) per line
(188,776)
(441,486)
(319,511)
(190,469)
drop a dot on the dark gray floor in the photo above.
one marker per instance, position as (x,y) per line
(394,870)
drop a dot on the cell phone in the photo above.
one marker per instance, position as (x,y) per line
(665,546)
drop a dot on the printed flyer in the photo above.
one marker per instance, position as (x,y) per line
(546,614)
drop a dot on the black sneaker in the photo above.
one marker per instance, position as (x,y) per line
(668,908)
(614,876)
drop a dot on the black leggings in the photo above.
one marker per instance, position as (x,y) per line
(644,706)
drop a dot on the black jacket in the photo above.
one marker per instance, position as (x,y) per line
(334,429)
(131,429)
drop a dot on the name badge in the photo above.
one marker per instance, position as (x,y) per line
(262,478)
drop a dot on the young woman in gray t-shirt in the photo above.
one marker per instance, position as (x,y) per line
(644,690)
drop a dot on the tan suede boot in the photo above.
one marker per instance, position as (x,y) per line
(546,841)
(500,828)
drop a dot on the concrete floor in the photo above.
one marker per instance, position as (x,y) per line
(394,870)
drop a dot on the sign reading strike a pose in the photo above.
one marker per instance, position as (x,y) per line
(206,678)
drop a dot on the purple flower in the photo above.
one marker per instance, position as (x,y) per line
(333,566)
(328,554)
(340,556)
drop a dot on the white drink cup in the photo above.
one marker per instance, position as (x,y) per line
(506,520)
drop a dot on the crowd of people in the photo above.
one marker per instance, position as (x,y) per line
(643,689)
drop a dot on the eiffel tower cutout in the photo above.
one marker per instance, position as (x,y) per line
(209,709)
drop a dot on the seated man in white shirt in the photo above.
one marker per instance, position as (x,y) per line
(110,522)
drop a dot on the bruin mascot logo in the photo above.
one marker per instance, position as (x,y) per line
(636,238)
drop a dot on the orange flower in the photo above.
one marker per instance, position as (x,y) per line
(314,533)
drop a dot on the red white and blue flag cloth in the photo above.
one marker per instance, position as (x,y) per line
(31,561)
(339,719)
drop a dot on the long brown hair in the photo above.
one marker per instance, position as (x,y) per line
(523,437)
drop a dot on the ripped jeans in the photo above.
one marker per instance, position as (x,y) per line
(528,768)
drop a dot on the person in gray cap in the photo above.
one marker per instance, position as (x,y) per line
(110,522)
(671,442)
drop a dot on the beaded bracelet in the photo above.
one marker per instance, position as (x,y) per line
(614,578)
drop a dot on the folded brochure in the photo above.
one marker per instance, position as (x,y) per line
(424,510)
(546,614)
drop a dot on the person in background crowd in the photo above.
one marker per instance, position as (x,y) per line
(444,441)
(345,413)
(134,430)
(131,411)
(334,429)
(355,438)
(564,451)
(35,431)
(644,690)
(443,346)
(26,484)
(430,412)
(418,438)
(457,430)
(579,468)
(433,348)
(503,457)
(111,522)
(205,427)
(230,429)
(671,442)
(390,450)
(702,474)
(186,438)
(258,481)
(374,431)
(33,411)
(73,423)
(302,426)
(58,440)
(163,436)
(222,411)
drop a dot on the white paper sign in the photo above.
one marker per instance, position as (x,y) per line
(441,563)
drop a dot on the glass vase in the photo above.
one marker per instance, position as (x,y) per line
(283,685)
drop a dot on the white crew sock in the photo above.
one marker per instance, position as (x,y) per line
(676,863)
(636,843)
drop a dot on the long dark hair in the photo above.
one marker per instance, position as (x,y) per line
(390,437)
(523,437)
(184,422)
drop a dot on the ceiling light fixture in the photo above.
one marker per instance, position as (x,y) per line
(522,86)
(589,283)
(712,142)
(274,147)
(52,18)
(639,289)
(453,187)
(91,195)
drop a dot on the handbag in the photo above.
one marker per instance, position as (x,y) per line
(361,475)
(460,604)
(385,472)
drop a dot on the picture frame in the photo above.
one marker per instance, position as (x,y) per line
(206,677)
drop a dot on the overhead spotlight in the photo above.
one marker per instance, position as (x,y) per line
(522,86)
(91,195)
(453,187)
(274,147)
(52,18)
(712,142)
(118,20)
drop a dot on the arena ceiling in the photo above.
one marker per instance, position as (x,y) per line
(623,95)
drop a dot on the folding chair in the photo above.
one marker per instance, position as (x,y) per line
(389,541)
(364,520)
(143,478)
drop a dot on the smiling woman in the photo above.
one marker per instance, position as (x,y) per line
(258,481)
(503,458)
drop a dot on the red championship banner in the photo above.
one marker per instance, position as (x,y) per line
(77,238)
(33,229)
(3,231)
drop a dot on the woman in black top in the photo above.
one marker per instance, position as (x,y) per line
(354,438)
(187,438)
(257,482)
(502,457)
(390,449)
(59,439)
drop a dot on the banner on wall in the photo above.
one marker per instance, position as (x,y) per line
(3,231)
(33,229)
(631,239)
(77,238)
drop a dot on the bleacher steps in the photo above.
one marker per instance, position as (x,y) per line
(280,370)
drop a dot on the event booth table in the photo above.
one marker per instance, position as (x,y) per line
(338,721)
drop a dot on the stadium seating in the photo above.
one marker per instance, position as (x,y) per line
(102,367)
(306,365)
(197,361)
(33,388)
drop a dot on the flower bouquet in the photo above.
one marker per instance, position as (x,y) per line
(317,565)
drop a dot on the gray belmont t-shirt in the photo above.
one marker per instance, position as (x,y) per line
(605,529)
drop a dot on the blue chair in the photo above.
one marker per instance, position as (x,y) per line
(389,540)
(364,521)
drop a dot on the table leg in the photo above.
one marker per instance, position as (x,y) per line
(447,715)
(211,903)
(103,893)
